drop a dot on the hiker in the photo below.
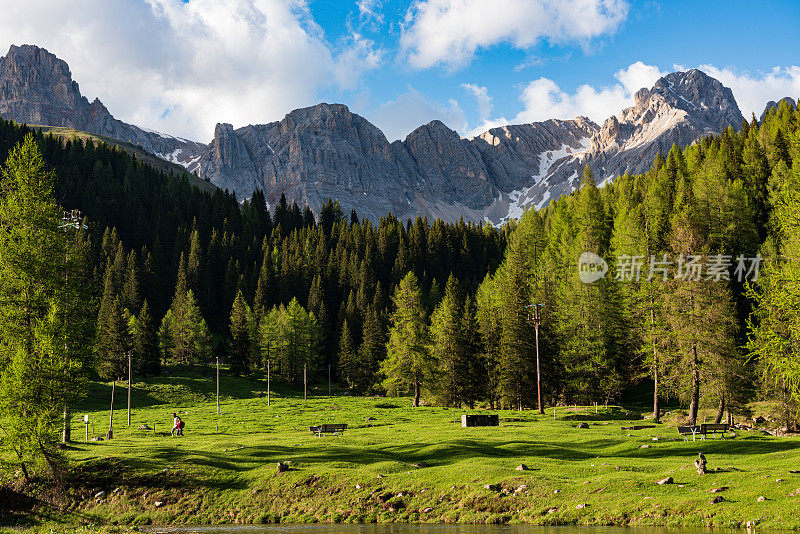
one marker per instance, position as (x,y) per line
(177,425)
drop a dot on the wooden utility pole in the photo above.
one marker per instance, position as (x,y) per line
(537,320)
(110,434)
(130,376)
(217,385)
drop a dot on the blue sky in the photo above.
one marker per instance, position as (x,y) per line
(182,66)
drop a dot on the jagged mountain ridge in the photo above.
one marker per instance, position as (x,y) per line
(327,151)
(37,88)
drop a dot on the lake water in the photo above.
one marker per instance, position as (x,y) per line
(418,529)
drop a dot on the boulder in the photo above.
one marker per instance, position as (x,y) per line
(761,499)
(667,480)
(283,467)
(582,425)
(523,467)
(719,490)
(716,500)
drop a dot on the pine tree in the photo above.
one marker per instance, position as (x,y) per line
(115,343)
(145,344)
(409,363)
(372,350)
(489,315)
(348,358)
(517,348)
(448,345)
(43,324)
(240,345)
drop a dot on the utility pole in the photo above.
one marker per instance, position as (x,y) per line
(130,375)
(217,384)
(537,320)
(110,434)
(71,220)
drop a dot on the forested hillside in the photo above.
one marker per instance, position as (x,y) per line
(687,302)
(174,258)
(700,299)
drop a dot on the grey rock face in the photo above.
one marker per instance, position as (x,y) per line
(37,88)
(327,151)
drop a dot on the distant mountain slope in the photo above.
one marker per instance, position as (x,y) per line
(37,88)
(327,151)
(142,155)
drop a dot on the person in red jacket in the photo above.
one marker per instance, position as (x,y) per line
(177,425)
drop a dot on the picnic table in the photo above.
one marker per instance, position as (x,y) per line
(703,430)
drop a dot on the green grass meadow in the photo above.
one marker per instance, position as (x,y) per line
(224,470)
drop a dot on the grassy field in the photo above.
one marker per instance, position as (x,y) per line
(225,468)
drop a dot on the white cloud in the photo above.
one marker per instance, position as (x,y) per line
(481,94)
(410,110)
(449,32)
(543,99)
(752,92)
(369,12)
(180,67)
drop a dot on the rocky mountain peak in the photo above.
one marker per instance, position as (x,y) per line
(772,104)
(36,87)
(326,150)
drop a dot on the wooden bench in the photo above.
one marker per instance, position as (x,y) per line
(703,430)
(713,428)
(335,429)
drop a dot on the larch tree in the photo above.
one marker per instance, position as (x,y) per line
(44,326)
(409,363)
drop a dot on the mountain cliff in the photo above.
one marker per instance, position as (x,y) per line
(328,151)
(37,88)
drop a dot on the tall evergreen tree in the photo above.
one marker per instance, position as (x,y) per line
(43,323)
(409,363)
(240,344)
